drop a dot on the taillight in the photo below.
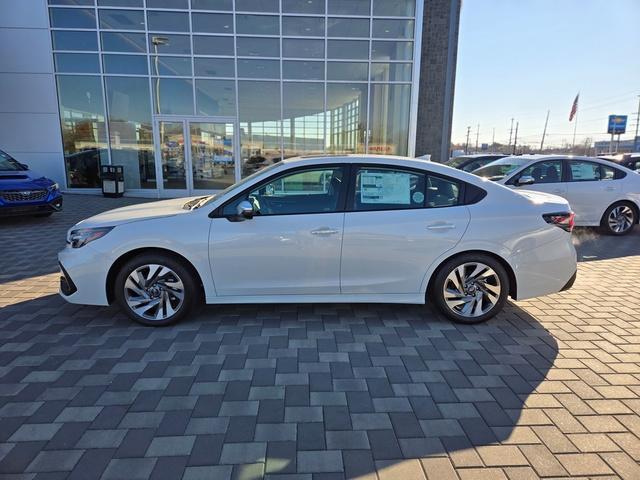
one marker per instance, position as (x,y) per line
(564,220)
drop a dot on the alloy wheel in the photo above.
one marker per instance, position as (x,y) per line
(154,292)
(620,219)
(472,289)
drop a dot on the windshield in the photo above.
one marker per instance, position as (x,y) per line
(238,185)
(8,164)
(457,161)
(499,169)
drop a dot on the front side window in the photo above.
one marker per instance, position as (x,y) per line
(301,192)
(544,172)
(584,171)
(388,189)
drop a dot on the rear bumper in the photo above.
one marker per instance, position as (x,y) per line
(571,281)
(549,268)
(20,208)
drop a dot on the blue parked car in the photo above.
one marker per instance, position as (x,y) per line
(24,192)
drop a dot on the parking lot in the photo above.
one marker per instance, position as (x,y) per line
(549,388)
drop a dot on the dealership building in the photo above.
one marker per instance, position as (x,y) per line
(193,95)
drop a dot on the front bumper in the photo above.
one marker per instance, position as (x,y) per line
(8,209)
(83,276)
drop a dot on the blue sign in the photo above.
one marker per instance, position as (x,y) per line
(617,124)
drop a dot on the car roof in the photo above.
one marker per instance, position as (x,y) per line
(480,155)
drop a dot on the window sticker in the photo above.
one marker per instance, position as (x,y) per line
(385,187)
(417,197)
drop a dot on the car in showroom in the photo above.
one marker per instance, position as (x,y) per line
(348,228)
(629,160)
(25,192)
(600,194)
(469,163)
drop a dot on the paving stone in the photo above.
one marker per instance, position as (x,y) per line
(319,461)
(55,461)
(236,453)
(170,446)
(129,468)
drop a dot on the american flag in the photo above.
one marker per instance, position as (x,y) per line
(574,108)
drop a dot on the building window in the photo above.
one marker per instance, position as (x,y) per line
(346,117)
(389,119)
(303,118)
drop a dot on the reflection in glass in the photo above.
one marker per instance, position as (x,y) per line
(389,28)
(356,71)
(72,17)
(348,49)
(257,6)
(346,117)
(174,173)
(212,160)
(173,96)
(168,43)
(389,119)
(71,2)
(183,4)
(168,21)
(301,70)
(125,64)
(303,26)
(258,68)
(216,98)
(212,22)
(391,72)
(303,118)
(130,131)
(77,62)
(123,42)
(214,67)
(120,3)
(394,8)
(212,5)
(348,27)
(259,116)
(212,45)
(258,47)
(84,136)
(171,66)
(65,40)
(302,48)
(303,6)
(349,7)
(257,24)
(386,50)
(121,19)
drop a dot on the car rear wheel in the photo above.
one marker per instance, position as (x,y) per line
(619,219)
(471,288)
(155,289)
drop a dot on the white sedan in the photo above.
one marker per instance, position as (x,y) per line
(599,192)
(334,229)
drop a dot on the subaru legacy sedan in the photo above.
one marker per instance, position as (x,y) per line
(327,229)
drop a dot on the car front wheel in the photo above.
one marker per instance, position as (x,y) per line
(471,288)
(619,219)
(155,289)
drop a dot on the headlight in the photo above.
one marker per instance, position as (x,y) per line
(80,237)
(54,187)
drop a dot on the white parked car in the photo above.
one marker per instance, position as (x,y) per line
(599,192)
(327,229)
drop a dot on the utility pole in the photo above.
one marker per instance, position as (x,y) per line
(544,132)
(466,147)
(493,140)
(636,144)
(515,141)
(510,133)
(477,136)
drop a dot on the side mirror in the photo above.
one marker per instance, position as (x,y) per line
(245,210)
(525,180)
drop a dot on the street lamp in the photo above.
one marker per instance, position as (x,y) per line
(156,41)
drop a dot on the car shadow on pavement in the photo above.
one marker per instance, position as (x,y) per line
(592,245)
(351,388)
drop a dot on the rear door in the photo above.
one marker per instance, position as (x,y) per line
(549,176)
(398,221)
(592,188)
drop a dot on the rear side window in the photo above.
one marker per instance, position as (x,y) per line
(584,171)
(442,192)
(388,189)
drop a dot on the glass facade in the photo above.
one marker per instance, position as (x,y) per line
(204,92)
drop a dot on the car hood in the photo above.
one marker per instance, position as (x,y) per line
(135,213)
(540,198)
(23,180)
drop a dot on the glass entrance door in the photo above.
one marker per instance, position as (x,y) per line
(196,156)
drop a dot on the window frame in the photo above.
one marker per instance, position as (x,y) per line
(356,167)
(342,197)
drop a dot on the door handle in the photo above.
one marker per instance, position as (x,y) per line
(610,189)
(441,226)
(324,231)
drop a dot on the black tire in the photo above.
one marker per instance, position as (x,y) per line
(185,274)
(608,229)
(438,285)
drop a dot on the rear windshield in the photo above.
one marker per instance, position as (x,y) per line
(499,169)
(8,164)
(456,162)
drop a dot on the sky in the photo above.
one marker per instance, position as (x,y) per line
(520,58)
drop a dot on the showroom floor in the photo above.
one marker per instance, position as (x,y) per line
(550,388)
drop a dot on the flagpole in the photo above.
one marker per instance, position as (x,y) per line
(575,125)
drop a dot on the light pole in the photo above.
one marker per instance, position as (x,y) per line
(155,40)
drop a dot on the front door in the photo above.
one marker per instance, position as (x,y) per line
(196,155)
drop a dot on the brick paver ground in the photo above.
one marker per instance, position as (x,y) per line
(549,388)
